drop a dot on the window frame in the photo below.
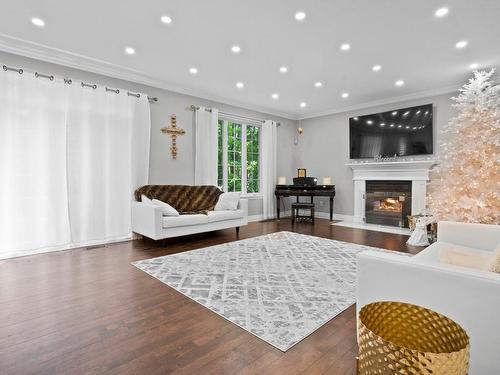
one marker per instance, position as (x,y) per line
(244,193)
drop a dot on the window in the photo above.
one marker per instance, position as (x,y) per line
(238,165)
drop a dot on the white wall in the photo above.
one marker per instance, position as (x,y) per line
(163,169)
(323,148)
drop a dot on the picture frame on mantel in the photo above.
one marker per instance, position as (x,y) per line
(301,172)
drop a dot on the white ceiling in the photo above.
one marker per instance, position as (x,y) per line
(403,36)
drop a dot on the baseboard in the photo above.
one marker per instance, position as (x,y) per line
(318,214)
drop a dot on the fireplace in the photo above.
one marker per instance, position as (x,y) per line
(388,202)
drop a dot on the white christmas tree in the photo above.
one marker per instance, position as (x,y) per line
(465,184)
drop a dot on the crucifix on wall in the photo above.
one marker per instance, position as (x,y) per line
(173,131)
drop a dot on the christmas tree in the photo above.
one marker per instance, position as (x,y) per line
(465,184)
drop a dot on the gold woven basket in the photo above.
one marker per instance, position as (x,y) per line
(400,338)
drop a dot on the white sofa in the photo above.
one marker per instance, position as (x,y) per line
(469,296)
(149,221)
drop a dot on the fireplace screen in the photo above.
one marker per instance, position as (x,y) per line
(388,202)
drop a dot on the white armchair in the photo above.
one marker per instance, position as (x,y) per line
(468,296)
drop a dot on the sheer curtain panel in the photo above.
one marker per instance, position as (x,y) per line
(70,159)
(268,160)
(205,169)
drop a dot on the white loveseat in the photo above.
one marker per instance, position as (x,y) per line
(469,296)
(148,220)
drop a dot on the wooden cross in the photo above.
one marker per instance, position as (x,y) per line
(173,131)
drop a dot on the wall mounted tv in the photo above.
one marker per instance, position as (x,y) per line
(401,132)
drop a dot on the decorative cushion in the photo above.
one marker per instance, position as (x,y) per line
(166,209)
(228,201)
(494,266)
(464,257)
(146,200)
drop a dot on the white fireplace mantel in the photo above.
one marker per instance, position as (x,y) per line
(416,171)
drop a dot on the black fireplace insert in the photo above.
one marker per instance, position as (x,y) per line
(388,202)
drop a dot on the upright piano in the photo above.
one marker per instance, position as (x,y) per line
(304,187)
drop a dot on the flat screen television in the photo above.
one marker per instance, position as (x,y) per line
(400,132)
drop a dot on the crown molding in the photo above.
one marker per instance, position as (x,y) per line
(375,103)
(53,55)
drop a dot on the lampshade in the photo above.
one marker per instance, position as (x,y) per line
(282,180)
(327,180)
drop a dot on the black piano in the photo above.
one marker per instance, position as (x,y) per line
(304,187)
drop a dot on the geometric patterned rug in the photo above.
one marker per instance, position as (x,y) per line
(281,287)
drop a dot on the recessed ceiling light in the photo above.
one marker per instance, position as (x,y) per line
(300,16)
(441,12)
(275,96)
(193,70)
(303,105)
(461,44)
(399,82)
(130,51)
(376,68)
(394,113)
(166,19)
(236,49)
(400,126)
(407,127)
(318,84)
(345,95)
(392,125)
(382,124)
(345,47)
(240,85)
(38,22)
(355,118)
(369,122)
(414,128)
(283,69)
(473,66)
(418,112)
(406,113)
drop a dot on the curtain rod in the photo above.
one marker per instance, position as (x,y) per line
(195,108)
(70,81)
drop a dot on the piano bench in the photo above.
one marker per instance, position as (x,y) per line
(302,206)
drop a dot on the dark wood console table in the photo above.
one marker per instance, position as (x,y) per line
(304,191)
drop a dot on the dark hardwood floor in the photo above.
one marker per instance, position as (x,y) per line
(89,311)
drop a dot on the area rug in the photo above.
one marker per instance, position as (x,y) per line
(281,287)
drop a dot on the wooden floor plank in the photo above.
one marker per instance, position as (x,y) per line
(91,312)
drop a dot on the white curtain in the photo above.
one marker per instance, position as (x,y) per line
(268,167)
(108,157)
(205,168)
(70,158)
(33,191)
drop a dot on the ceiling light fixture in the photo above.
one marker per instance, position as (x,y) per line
(38,22)
(461,44)
(394,113)
(345,47)
(275,96)
(318,84)
(400,126)
(345,95)
(369,122)
(193,70)
(441,12)
(300,16)
(130,51)
(240,85)
(406,113)
(236,49)
(376,68)
(283,69)
(166,19)
(392,125)
(473,66)
(382,124)
(303,105)
(399,82)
